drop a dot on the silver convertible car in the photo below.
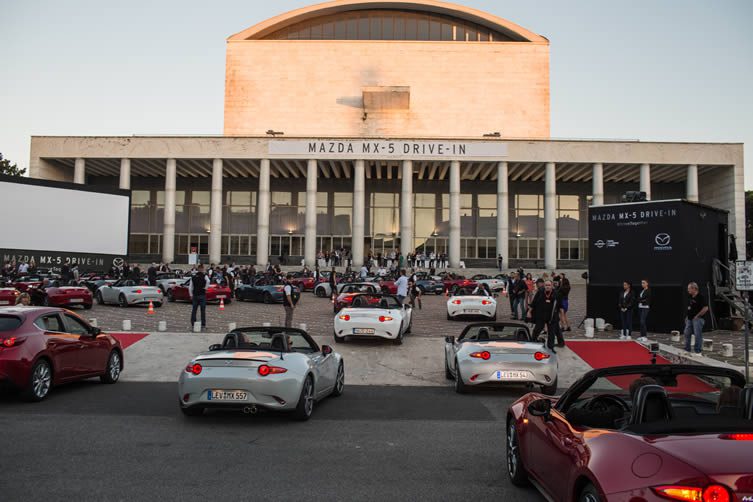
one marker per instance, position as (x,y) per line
(496,353)
(269,368)
(127,292)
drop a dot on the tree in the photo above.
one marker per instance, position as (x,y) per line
(10,169)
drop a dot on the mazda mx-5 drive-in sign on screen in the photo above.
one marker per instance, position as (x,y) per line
(60,224)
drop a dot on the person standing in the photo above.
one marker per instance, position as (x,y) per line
(197,288)
(402,287)
(625,304)
(499,263)
(644,307)
(697,308)
(151,274)
(288,302)
(333,284)
(510,293)
(414,293)
(519,291)
(544,312)
(564,292)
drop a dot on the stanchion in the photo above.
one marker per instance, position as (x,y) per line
(162,326)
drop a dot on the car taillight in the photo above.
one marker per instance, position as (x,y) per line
(456,302)
(485,355)
(265,370)
(11,342)
(194,368)
(737,436)
(540,356)
(712,493)
(138,291)
(345,317)
(384,318)
(486,302)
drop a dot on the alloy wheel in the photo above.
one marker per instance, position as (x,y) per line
(41,380)
(114,367)
(340,383)
(512,451)
(309,397)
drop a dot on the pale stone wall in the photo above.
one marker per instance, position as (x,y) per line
(314,88)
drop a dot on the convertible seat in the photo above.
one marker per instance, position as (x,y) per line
(651,404)
(278,343)
(746,401)
(483,335)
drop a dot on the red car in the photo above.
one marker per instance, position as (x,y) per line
(453,284)
(350,291)
(215,293)
(41,347)
(304,283)
(61,296)
(386,285)
(30,281)
(637,434)
(8,296)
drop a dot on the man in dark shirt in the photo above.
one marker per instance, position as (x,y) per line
(544,310)
(697,308)
(197,288)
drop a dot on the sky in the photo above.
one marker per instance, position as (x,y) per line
(654,70)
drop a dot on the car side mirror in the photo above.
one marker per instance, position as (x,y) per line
(95,331)
(449,339)
(540,408)
(326,350)
(215,346)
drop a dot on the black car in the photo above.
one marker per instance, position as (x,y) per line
(264,290)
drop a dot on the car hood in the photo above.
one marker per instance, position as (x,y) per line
(708,453)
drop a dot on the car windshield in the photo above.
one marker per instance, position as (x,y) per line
(282,341)
(496,332)
(376,302)
(167,276)
(661,403)
(9,323)
(29,278)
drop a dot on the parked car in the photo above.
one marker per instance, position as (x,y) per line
(54,295)
(263,290)
(9,296)
(42,347)
(127,292)
(167,281)
(374,316)
(215,293)
(346,293)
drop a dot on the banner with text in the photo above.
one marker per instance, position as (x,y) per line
(388,149)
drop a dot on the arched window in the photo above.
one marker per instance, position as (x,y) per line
(387,24)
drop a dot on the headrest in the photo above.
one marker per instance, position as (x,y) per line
(746,400)
(483,334)
(651,404)
(230,341)
(278,343)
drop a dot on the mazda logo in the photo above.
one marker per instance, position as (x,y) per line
(663,239)
(600,244)
(118,262)
(228,363)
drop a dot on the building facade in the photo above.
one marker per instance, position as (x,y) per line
(373,126)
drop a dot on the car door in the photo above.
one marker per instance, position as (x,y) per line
(93,351)
(61,346)
(109,294)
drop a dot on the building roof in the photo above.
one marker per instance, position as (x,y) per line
(265,28)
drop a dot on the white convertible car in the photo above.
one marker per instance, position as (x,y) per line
(470,305)
(374,316)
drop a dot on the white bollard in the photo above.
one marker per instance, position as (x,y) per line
(675,336)
(197,327)
(589,332)
(231,326)
(727,350)
(708,344)
(589,323)
(303,326)
(126,325)
(93,322)
(162,326)
(267,324)
(600,324)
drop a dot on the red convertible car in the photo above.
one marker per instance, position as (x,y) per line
(9,296)
(350,291)
(41,347)
(215,293)
(637,434)
(453,284)
(30,281)
(61,296)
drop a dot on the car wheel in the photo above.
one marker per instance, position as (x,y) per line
(410,327)
(589,494)
(170,296)
(550,390)
(338,339)
(100,300)
(122,301)
(112,371)
(339,381)
(494,317)
(305,406)
(46,301)
(319,292)
(193,411)
(399,339)
(447,372)
(40,381)
(267,298)
(515,468)
(385,290)
(460,386)
(449,317)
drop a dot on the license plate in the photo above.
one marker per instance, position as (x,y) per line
(511,375)
(76,300)
(221,297)
(4,303)
(227,395)
(363,331)
(472,311)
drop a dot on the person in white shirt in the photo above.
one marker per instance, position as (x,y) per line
(364,272)
(23,268)
(402,287)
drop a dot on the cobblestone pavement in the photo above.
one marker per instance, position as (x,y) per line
(317,314)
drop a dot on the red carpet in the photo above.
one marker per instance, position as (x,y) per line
(603,354)
(128,339)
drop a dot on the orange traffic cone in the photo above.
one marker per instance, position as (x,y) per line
(222,304)
(151,308)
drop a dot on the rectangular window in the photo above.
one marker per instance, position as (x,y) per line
(341,29)
(446,31)
(423,28)
(375,28)
(352,26)
(435,30)
(200,197)
(363,27)
(411,28)
(328,31)
(316,32)
(388,28)
(399,28)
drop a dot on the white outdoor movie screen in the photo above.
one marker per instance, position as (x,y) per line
(64,220)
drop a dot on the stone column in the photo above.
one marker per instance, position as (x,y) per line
(692,183)
(168,231)
(406,209)
(262,211)
(359,212)
(309,253)
(454,243)
(79,171)
(503,214)
(646,180)
(215,214)
(125,174)
(550,217)
(598,185)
